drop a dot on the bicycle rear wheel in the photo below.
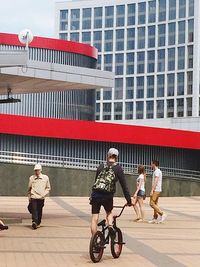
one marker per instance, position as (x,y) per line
(96,246)
(116,244)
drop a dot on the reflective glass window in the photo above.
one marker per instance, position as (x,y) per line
(140,87)
(131,14)
(150,86)
(142,13)
(160,85)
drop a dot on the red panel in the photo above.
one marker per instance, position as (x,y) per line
(53,44)
(96,131)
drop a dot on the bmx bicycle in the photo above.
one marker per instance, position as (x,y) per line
(102,237)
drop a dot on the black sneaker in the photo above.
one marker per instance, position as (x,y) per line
(111,231)
(34,225)
(3,227)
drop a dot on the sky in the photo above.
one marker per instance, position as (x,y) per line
(36,15)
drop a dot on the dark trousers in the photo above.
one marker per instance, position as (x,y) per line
(37,205)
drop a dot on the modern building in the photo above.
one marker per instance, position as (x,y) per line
(153,48)
(58,81)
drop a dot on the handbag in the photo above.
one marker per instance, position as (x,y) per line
(29,207)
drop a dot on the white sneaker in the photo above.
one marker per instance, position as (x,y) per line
(162,218)
(153,221)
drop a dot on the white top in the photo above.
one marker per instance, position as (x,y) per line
(141,179)
(158,173)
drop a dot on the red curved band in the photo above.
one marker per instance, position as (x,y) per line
(52,44)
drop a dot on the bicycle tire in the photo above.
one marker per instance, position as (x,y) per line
(96,246)
(116,244)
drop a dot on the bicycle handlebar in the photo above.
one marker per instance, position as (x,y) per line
(122,209)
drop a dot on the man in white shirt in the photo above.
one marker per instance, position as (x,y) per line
(155,193)
(38,189)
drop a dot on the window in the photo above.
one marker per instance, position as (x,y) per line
(108,62)
(170,84)
(130,63)
(189,82)
(160,108)
(97,107)
(109,14)
(182,8)
(106,111)
(170,108)
(150,61)
(118,111)
(190,30)
(98,17)
(130,39)
(75,19)
(99,62)
(108,44)
(119,40)
(151,36)
(171,59)
(181,58)
(162,10)
(129,110)
(190,56)
(98,96)
(141,13)
(140,62)
(181,32)
(149,109)
(171,33)
(141,37)
(180,107)
(119,88)
(107,94)
(152,11)
(97,40)
(191,8)
(119,64)
(63,36)
(161,35)
(160,85)
(74,36)
(63,20)
(86,18)
(86,37)
(172,9)
(129,87)
(120,15)
(180,83)
(131,14)
(150,86)
(161,60)
(140,87)
(189,107)
(139,110)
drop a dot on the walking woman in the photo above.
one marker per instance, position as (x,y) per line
(139,194)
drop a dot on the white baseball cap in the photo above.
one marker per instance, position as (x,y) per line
(113,151)
(37,167)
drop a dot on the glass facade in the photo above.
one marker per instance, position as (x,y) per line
(150,46)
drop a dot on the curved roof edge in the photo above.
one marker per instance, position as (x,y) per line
(52,44)
(97,131)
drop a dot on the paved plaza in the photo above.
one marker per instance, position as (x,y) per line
(63,239)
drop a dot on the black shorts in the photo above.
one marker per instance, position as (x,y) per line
(99,199)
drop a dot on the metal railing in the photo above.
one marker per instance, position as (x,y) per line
(86,164)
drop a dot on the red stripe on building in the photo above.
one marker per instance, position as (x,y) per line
(96,131)
(52,44)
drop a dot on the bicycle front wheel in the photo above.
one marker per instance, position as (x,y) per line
(116,243)
(96,246)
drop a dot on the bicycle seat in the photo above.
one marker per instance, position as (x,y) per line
(102,223)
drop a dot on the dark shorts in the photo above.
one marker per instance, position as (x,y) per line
(99,199)
(141,194)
